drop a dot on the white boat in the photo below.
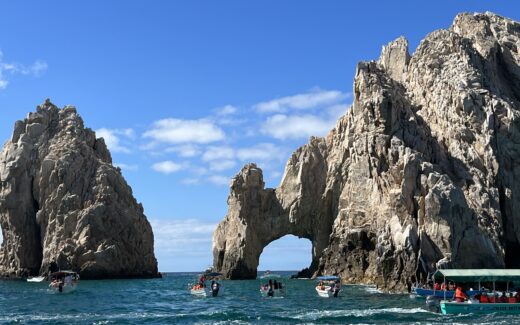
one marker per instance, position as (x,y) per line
(269,275)
(324,291)
(329,286)
(36,279)
(202,292)
(64,281)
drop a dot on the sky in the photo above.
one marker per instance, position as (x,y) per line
(186,92)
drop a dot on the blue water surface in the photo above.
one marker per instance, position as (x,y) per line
(168,301)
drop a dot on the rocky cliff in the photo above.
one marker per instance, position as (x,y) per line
(422,171)
(62,201)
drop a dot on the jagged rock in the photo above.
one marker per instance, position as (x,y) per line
(62,201)
(422,172)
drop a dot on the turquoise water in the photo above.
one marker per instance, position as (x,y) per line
(167,301)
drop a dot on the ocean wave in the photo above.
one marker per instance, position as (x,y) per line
(318,314)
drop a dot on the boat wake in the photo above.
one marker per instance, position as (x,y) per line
(318,314)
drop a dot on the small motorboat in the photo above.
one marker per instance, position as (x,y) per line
(200,291)
(64,281)
(329,286)
(269,275)
(36,279)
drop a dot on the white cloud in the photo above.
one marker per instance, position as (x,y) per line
(127,167)
(35,69)
(226,110)
(179,131)
(186,151)
(219,180)
(311,99)
(261,152)
(181,236)
(167,167)
(113,138)
(218,152)
(296,126)
(220,165)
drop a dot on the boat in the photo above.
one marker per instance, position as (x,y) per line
(423,292)
(36,279)
(269,275)
(274,288)
(64,281)
(200,292)
(449,306)
(329,286)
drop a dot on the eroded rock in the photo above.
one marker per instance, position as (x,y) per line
(62,201)
(420,172)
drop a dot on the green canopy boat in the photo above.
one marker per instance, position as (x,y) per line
(479,276)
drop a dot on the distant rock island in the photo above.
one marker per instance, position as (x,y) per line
(423,171)
(64,205)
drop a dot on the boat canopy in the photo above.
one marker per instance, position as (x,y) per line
(482,275)
(328,278)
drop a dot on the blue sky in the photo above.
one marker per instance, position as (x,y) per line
(187,92)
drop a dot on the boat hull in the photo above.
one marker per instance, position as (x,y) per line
(325,293)
(450,308)
(200,292)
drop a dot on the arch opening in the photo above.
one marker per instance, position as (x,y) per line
(288,253)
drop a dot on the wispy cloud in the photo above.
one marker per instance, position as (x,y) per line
(219,180)
(167,167)
(308,100)
(284,127)
(226,110)
(186,151)
(178,131)
(113,137)
(12,68)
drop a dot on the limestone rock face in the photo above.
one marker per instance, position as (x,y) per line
(423,171)
(62,201)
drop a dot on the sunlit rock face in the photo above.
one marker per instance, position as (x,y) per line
(62,202)
(421,171)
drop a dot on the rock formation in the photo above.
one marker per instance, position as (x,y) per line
(62,201)
(421,172)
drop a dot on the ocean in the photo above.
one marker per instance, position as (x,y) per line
(168,301)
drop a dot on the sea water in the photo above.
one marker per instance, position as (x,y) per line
(168,301)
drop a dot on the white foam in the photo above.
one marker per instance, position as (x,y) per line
(318,314)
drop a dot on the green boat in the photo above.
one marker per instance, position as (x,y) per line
(479,276)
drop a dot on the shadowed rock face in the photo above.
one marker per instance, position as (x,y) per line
(62,201)
(420,172)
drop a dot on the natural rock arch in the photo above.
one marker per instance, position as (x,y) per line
(259,216)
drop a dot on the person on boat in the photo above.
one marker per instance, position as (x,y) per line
(337,288)
(443,286)
(437,286)
(215,287)
(484,298)
(451,287)
(511,299)
(275,285)
(503,298)
(280,286)
(460,296)
(321,286)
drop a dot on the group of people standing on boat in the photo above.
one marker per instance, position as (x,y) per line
(271,286)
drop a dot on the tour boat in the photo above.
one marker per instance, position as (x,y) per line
(423,292)
(204,290)
(269,275)
(36,279)
(506,276)
(64,281)
(325,288)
